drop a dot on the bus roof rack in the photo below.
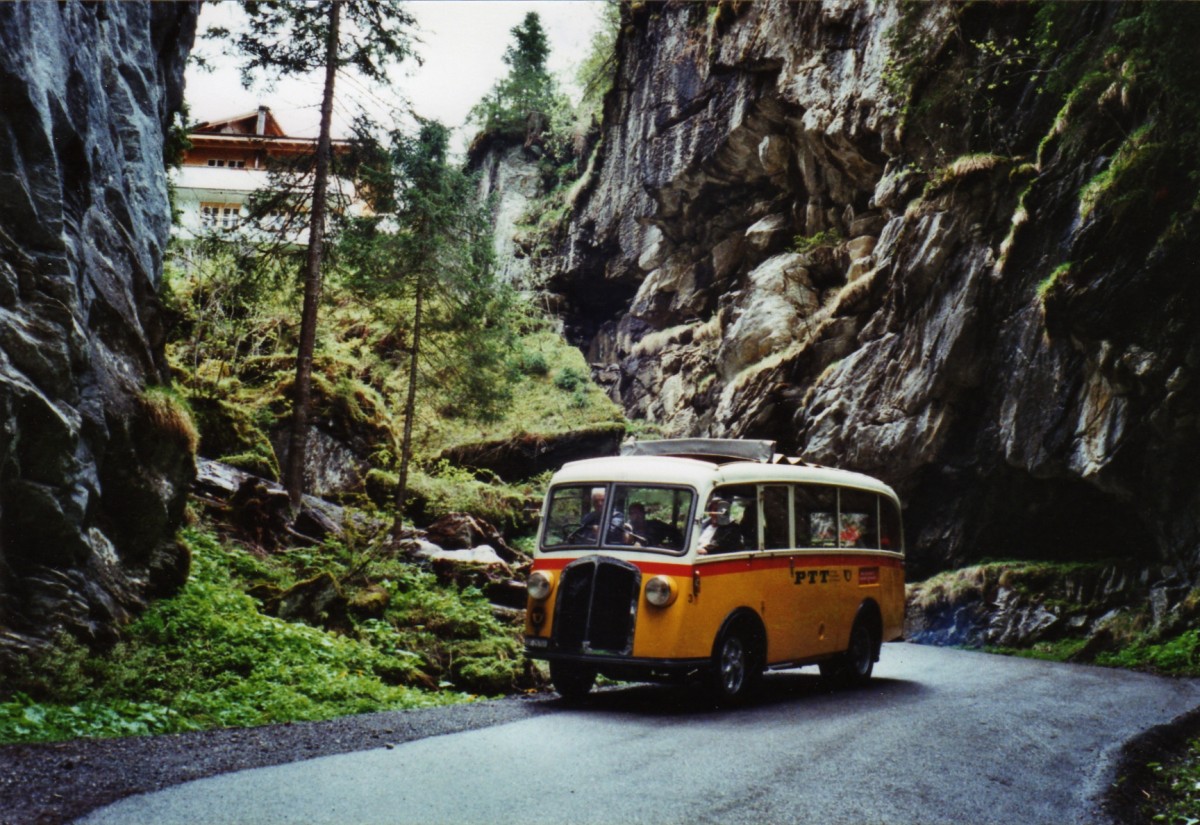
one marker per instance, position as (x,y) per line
(709,449)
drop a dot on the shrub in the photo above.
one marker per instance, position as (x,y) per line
(569,378)
(533,363)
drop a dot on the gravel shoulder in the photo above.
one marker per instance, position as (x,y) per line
(54,783)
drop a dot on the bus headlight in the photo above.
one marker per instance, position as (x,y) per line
(539,585)
(660,591)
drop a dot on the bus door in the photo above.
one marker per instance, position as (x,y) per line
(816,576)
(858,530)
(781,609)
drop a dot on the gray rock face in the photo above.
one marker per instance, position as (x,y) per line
(768,249)
(509,177)
(93,475)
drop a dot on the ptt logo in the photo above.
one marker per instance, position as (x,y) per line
(823,576)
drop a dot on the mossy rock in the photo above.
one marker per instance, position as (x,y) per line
(370,603)
(264,466)
(230,432)
(380,487)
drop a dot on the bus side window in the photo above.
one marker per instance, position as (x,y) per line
(857,519)
(776,529)
(816,515)
(890,537)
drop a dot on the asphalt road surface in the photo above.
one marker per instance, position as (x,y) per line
(938,736)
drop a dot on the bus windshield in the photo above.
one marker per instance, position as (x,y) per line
(618,516)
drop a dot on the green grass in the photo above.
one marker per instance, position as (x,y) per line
(1176,656)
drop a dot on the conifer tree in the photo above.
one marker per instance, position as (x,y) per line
(521,101)
(301,39)
(424,261)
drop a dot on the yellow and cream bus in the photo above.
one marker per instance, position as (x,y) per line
(715,558)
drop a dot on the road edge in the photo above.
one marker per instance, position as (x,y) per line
(1132,782)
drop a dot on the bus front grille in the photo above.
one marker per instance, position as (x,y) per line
(597,606)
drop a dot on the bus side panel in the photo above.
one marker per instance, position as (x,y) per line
(893,602)
(801,606)
(841,584)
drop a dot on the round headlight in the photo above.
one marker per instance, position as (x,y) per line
(660,591)
(539,585)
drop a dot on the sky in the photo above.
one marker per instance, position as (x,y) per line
(462,45)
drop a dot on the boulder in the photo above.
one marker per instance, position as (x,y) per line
(318,601)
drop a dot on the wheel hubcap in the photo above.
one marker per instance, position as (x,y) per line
(733,665)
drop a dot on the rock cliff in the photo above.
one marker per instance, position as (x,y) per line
(881,234)
(94,468)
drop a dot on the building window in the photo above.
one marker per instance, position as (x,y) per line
(220,215)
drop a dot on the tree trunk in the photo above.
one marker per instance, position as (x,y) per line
(302,398)
(410,406)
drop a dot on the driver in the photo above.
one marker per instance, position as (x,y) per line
(589,525)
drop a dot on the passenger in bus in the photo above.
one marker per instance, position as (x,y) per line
(644,532)
(720,533)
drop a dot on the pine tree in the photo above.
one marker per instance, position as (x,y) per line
(301,39)
(424,261)
(520,102)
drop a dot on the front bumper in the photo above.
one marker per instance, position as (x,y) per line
(624,667)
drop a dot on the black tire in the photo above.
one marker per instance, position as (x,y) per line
(853,667)
(572,681)
(736,666)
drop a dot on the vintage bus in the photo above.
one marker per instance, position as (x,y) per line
(715,559)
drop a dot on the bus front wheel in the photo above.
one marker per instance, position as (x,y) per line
(853,667)
(572,681)
(735,668)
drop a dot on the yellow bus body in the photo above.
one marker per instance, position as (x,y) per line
(803,601)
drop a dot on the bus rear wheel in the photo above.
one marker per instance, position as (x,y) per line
(572,681)
(735,668)
(853,667)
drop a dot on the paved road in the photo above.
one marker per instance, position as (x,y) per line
(939,736)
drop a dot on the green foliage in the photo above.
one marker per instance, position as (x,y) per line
(807,243)
(445,488)
(208,658)
(228,341)
(597,69)
(523,98)
(533,363)
(288,39)
(1175,796)
(1177,656)
(955,71)
(168,417)
(1053,281)
(569,378)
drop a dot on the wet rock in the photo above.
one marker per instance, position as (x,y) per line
(477,567)
(91,488)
